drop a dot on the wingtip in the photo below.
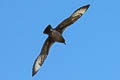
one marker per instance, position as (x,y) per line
(87,6)
(33,73)
(36,66)
(35,70)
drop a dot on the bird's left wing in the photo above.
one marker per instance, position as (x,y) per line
(70,20)
(41,58)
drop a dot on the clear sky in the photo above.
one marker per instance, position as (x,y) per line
(92,50)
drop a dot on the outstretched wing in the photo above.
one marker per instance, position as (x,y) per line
(41,58)
(75,16)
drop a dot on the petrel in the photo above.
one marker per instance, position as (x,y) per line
(55,35)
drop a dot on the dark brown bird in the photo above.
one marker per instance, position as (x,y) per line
(55,35)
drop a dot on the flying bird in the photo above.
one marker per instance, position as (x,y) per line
(55,35)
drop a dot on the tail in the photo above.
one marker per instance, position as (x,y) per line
(47,29)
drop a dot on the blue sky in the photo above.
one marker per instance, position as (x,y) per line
(93,42)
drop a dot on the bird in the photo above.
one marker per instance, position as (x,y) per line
(55,35)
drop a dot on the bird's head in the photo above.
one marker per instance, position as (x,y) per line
(47,29)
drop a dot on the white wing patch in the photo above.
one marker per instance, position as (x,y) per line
(79,12)
(37,64)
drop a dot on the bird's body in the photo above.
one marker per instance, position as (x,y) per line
(55,35)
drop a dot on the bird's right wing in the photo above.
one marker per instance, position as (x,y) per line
(41,58)
(70,20)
